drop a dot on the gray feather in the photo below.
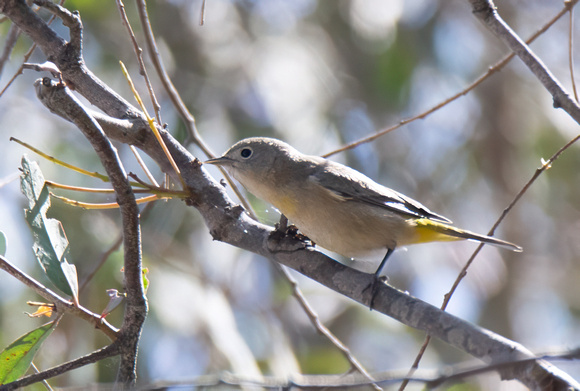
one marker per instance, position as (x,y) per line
(351,185)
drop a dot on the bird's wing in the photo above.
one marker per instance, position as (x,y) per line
(351,185)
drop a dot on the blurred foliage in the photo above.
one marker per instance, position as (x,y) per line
(317,74)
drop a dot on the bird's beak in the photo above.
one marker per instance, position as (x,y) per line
(219,161)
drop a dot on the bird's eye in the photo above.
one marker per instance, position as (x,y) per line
(246,153)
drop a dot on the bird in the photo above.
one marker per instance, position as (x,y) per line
(338,207)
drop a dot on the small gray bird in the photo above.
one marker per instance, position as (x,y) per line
(336,206)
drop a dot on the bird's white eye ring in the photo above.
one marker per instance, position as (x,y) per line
(246,153)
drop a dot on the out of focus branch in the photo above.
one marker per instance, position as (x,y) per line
(486,12)
(9,44)
(178,103)
(490,71)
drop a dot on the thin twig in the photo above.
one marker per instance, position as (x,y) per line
(9,43)
(114,247)
(98,355)
(26,57)
(155,58)
(490,71)
(62,304)
(202,16)
(143,166)
(53,159)
(178,103)
(487,13)
(44,382)
(9,178)
(139,55)
(571,48)
(321,328)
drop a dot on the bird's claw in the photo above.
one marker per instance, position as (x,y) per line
(374,288)
(283,230)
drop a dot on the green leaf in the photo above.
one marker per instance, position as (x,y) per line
(2,243)
(144,273)
(50,242)
(16,358)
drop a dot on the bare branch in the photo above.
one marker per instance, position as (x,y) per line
(139,55)
(62,305)
(11,38)
(322,329)
(56,95)
(490,71)
(571,49)
(186,116)
(430,379)
(487,13)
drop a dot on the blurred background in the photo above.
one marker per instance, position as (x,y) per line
(318,75)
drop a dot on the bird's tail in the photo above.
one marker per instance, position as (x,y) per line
(432,231)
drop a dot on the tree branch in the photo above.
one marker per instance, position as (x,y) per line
(136,303)
(107,351)
(11,39)
(62,305)
(479,80)
(486,12)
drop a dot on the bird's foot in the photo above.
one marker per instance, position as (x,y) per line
(283,230)
(287,237)
(374,287)
(290,232)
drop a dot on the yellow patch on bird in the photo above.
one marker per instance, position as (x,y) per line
(286,205)
(430,231)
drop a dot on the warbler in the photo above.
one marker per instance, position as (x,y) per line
(337,207)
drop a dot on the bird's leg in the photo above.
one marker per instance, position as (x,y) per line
(383,262)
(378,279)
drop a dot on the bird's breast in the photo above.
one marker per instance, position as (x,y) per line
(351,228)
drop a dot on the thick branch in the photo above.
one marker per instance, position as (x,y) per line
(136,303)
